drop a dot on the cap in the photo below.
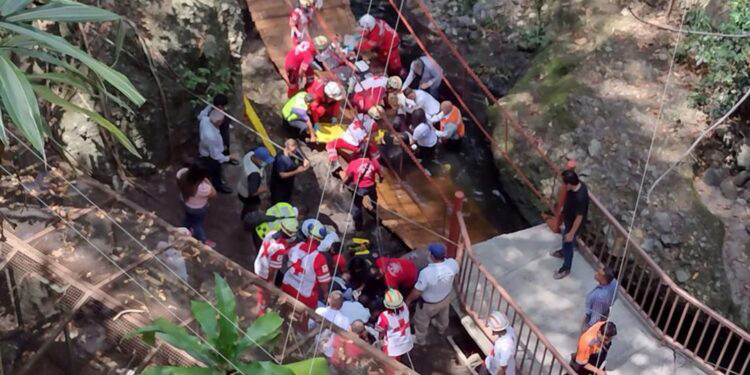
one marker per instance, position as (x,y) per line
(393,299)
(263,154)
(437,250)
(497,321)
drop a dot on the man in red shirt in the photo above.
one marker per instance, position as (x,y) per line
(369,93)
(362,174)
(398,273)
(308,271)
(327,96)
(298,67)
(379,37)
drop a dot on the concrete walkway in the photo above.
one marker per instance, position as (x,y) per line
(521,263)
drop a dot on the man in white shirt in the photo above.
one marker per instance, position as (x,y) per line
(433,288)
(502,358)
(354,310)
(429,72)
(332,314)
(211,149)
(419,99)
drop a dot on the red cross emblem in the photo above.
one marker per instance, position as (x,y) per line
(403,325)
(297,267)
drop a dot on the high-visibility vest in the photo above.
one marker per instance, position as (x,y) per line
(281,210)
(296,102)
(454,118)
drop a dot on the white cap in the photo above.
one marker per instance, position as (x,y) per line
(333,90)
(497,321)
(367,22)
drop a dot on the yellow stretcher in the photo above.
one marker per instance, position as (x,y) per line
(329,132)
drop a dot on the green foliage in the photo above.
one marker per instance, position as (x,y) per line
(214,77)
(724,62)
(221,344)
(21,43)
(534,37)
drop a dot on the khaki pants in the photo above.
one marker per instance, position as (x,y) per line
(425,313)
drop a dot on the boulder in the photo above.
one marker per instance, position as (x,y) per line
(663,222)
(728,189)
(743,157)
(741,178)
(714,175)
(682,276)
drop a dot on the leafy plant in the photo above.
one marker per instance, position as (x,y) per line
(22,42)
(221,344)
(533,37)
(724,62)
(212,78)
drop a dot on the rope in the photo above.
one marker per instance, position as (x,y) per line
(657,127)
(134,238)
(680,30)
(124,272)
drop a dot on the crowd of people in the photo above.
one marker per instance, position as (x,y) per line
(385,301)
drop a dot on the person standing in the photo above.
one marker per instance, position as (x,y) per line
(251,184)
(298,67)
(300,18)
(502,358)
(593,346)
(362,175)
(195,190)
(574,215)
(452,129)
(600,299)
(424,138)
(433,288)
(331,315)
(211,149)
(393,325)
(285,167)
(308,271)
(429,72)
(220,102)
(271,253)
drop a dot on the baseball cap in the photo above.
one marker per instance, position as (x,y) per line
(263,154)
(437,250)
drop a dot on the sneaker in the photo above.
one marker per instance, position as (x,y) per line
(559,274)
(209,243)
(557,254)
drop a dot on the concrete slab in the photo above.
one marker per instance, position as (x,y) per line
(522,264)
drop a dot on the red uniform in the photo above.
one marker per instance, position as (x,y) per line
(363,170)
(322,105)
(399,273)
(385,41)
(308,268)
(298,20)
(369,93)
(298,62)
(355,139)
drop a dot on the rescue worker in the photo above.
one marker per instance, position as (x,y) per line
(362,175)
(251,184)
(295,115)
(270,221)
(286,166)
(429,72)
(300,18)
(327,96)
(369,93)
(393,325)
(355,138)
(298,67)
(593,346)
(397,273)
(433,289)
(271,253)
(381,38)
(331,237)
(451,130)
(501,360)
(308,270)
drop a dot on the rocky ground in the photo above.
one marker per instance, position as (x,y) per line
(595,93)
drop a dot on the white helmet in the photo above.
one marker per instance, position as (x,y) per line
(376,112)
(320,42)
(497,321)
(394,83)
(366,22)
(333,90)
(306,3)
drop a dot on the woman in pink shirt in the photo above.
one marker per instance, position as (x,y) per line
(195,190)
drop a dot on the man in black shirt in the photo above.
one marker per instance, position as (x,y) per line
(285,167)
(574,215)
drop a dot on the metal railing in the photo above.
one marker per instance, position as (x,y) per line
(480,294)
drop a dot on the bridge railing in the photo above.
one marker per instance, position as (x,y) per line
(480,294)
(715,344)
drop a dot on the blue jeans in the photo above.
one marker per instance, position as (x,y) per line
(567,250)
(194,221)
